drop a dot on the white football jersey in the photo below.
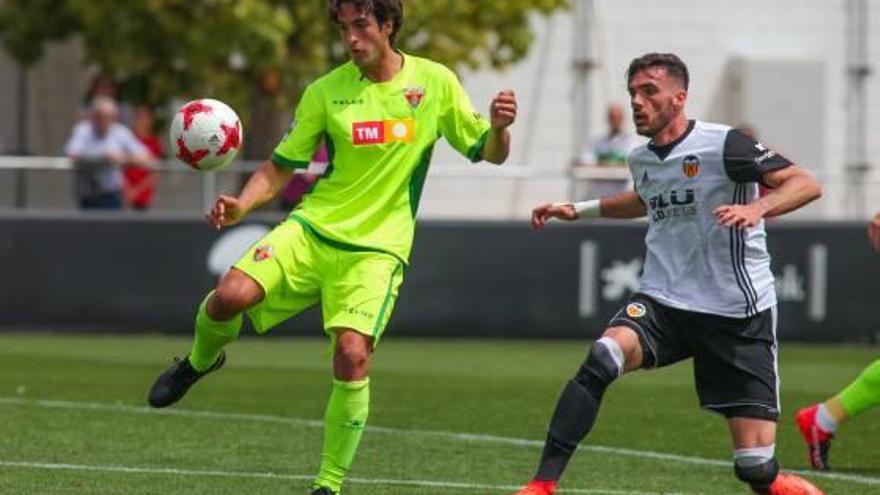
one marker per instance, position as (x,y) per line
(692,262)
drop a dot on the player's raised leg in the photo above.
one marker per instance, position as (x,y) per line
(819,422)
(218,323)
(347,409)
(617,352)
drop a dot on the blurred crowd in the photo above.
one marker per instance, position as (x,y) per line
(114,149)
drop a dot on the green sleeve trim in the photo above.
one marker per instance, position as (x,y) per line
(475,153)
(284,162)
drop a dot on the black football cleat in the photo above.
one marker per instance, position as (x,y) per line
(323,490)
(172,385)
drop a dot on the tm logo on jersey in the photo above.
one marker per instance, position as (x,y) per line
(383,131)
(673,204)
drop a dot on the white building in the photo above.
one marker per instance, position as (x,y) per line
(777,65)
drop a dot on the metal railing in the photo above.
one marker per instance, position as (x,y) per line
(39,182)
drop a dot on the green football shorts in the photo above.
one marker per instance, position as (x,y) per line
(357,287)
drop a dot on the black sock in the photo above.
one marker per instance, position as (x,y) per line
(576,411)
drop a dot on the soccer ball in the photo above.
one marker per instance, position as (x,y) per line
(206,134)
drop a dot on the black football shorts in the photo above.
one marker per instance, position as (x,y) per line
(735,359)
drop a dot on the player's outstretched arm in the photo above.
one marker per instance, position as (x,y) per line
(262,186)
(622,205)
(502,113)
(793,187)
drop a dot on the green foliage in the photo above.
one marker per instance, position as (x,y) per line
(231,48)
(26,25)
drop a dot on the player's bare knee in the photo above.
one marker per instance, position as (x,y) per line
(352,351)
(628,341)
(235,294)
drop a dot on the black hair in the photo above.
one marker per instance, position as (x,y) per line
(384,10)
(669,61)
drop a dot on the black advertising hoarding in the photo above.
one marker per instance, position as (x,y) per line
(476,279)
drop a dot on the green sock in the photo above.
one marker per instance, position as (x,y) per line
(344,423)
(864,393)
(210,337)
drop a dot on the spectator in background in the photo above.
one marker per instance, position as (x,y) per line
(303,180)
(611,151)
(99,147)
(140,181)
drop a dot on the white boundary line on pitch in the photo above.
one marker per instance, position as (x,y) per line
(301,477)
(467,437)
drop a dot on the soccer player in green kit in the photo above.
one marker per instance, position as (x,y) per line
(347,244)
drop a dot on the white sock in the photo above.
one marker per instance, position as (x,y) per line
(824,419)
(754,456)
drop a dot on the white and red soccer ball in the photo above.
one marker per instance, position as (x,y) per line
(206,134)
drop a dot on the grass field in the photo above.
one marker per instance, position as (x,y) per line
(448,417)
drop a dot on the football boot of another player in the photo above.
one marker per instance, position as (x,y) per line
(790,484)
(818,440)
(176,380)
(537,488)
(323,490)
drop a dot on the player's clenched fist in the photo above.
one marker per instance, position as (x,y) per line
(226,211)
(502,110)
(542,213)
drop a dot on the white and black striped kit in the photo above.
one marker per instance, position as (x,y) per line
(692,262)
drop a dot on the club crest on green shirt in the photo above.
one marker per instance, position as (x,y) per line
(263,252)
(414,95)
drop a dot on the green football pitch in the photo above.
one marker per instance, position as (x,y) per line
(448,417)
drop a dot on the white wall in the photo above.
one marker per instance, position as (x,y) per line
(707,35)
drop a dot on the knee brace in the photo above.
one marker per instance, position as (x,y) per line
(759,476)
(603,365)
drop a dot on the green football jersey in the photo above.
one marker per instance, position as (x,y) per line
(379,138)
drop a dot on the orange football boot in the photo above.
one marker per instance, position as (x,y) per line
(790,484)
(538,488)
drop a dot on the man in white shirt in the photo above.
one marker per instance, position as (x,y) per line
(99,146)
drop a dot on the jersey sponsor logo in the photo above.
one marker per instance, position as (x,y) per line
(263,252)
(414,95)
(636,310)
(691,166)
(672,198)
(383,131)
(673,204)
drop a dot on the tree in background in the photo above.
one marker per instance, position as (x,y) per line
(258,55)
